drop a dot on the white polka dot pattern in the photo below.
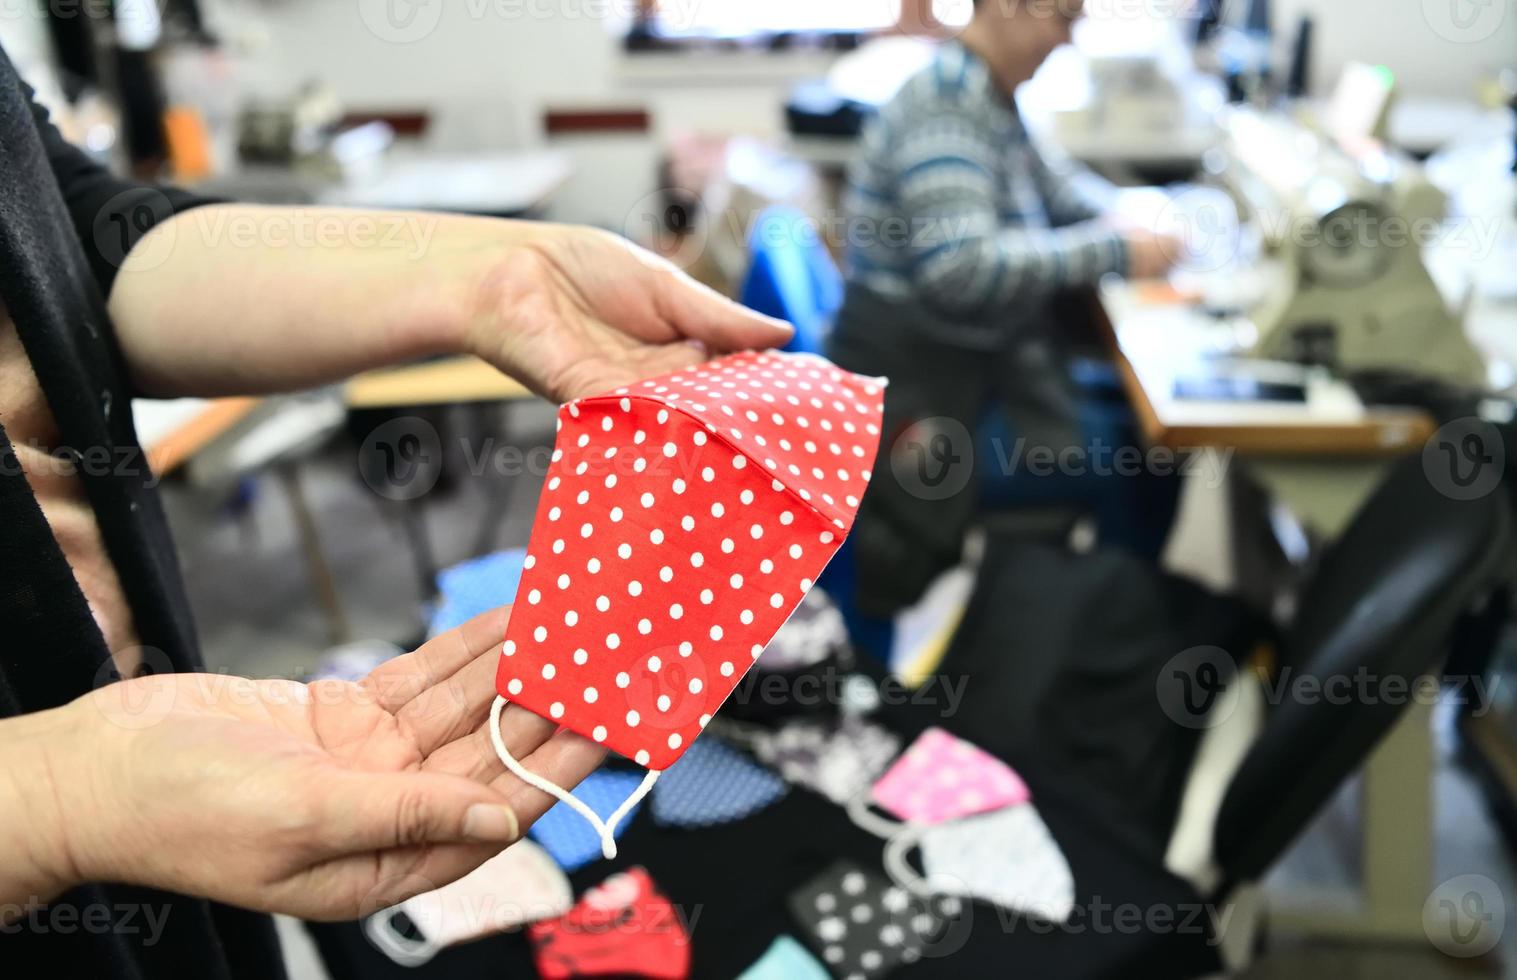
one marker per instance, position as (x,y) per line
(1007,857)
(864,927)
(708,501)
(942,777)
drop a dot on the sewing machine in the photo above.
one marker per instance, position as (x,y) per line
(1115,109)
(1340,223)
(1130,94)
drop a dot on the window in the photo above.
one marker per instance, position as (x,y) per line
(953,14)
(747,18)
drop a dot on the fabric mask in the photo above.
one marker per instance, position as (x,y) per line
(682,521)
(1006,857)
(837,759)
(712,784)
(785,959)
(571,841)
(814,634)
(622,927)
(861,925)
(474,587)
(939,778)
(519,885)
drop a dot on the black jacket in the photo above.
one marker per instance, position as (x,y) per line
(65,224)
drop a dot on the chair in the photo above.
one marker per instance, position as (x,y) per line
(791,275)
(1384,600)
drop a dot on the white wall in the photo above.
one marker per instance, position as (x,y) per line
(490,70)
(507,49)
(1435,47)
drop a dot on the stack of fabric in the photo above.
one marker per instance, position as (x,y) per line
(804,733)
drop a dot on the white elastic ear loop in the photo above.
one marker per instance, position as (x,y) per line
(866,819)
(903,874)
(606,828)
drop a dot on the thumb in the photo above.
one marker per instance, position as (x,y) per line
(380,811)
(701,313)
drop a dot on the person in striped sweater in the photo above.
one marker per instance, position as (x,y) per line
(962,234)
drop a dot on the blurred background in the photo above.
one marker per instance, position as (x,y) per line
(1332,185)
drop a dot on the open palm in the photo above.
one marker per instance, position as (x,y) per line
(325,800)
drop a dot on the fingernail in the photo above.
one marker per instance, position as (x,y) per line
(484,822)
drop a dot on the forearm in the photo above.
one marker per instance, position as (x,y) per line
(1042,261)
(243,299)
(966,259)
(35,859)
(993,274)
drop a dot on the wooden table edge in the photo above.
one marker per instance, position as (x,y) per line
(442,382)
(177,447)
(1384,432)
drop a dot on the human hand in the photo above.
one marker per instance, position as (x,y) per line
(1150,254)
(576,311)
(326,800)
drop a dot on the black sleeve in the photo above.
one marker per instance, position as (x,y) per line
(109,214)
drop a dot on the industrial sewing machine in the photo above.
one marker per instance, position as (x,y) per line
(1341,222)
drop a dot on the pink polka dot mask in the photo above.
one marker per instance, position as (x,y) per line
(682,521)
(939,778)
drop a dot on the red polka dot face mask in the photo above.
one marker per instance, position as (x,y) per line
(682,521)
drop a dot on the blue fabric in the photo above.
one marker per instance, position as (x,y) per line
(792,276)
(713,783)
(786,959)
(567,836)
(476,586)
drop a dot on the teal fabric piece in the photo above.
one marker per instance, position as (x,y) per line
(786,959)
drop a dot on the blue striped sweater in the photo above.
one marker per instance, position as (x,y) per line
(953,212)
